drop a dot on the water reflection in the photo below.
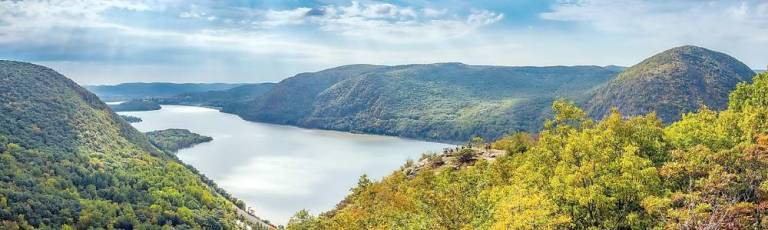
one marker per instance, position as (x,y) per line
(276,169)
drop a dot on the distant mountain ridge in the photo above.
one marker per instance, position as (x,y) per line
(671,83)
(221,98)
(442,101)
(141,90)
(453,101)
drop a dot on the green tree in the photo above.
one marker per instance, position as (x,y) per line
(302,220)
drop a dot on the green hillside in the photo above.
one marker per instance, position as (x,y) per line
(671,83)
(446,101)
(706,171)
(69,161)
(293,98)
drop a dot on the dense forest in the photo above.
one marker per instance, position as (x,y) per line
(706,171)
(171,140)
(69,162)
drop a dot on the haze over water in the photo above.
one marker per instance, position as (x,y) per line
(278,170)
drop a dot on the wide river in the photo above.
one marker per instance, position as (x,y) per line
(278,170)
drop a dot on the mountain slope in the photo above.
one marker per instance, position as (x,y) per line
(67,159)
(444,101)
(127,91)
(293,98)
(671,83)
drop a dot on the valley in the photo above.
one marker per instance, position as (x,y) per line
(277,169)
(404,101)
(381,114)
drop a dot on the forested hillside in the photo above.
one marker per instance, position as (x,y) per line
(68,162)
(446,101)
(706,171)
(671,83)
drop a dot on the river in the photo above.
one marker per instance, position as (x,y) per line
(278,170)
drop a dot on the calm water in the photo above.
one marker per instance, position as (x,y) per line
(278,170)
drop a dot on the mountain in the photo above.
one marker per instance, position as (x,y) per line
(671,83)
(293,98)
(706,171)
(68,161)
(127,91)
(220,98)
(443,101)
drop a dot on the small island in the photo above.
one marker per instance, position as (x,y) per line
(130,119)
(172,140)
(136,105)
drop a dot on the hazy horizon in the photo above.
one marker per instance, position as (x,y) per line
(245,82)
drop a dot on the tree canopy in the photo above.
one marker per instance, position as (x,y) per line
(706,171)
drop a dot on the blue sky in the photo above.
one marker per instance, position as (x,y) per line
(111,41)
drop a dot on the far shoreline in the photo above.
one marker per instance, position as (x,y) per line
(217,109)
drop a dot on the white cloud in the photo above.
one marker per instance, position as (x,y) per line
(483,17)
(383,21)
(52,12)
(735,21)
(22,19)
(192,14)
(273,18)
(433,13)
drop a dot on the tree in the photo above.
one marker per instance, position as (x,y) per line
(476,142)
(302,220)
(515,143)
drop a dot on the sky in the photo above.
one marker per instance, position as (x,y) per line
(113,41)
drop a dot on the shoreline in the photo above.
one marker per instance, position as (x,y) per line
(218,109)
